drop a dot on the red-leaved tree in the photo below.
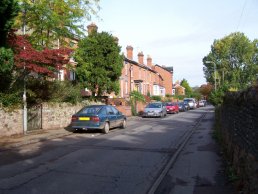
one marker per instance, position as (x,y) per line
(45,62)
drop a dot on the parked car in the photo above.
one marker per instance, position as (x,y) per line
(202,103)
(172,107)
(191,101)
(186,105)
(182,107)
(103,117)
(155,109)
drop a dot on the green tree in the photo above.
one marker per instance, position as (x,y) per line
(6,68)
(99,63)
(188,89)
(136,97)
(235,58)
(51,20)
(8,11)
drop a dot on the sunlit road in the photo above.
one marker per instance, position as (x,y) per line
(123,161)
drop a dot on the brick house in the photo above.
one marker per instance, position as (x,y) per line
(179,90)
(167,75)
(136,75)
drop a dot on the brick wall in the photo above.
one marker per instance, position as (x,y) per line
(237,119)
(167,76)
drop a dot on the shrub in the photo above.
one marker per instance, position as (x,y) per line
(11,100)
(157,98)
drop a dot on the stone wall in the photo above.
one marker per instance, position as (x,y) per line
(11,123)
(237,120)
(54,115)
(58,115)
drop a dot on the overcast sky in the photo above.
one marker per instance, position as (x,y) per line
(177,33)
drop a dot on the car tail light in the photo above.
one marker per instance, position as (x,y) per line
(74,118)
(95,119)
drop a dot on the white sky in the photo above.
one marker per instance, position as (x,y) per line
(177,33)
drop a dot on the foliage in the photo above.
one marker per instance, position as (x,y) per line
(135,97)
(52,91)
(99,63)
(179,97)
(157,98)
(8,11)
(45,62)
(9,95)
(216,97)
(168,98)
(169,95)
(52,20)
(185,84)
(235,59)
(196,94)
(10,100)
(6,67)
(28,66)
(205,90)
(65,91)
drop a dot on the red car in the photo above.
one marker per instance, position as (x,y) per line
(172,107)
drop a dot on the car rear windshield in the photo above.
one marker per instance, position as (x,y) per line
(90,110)
(170,104)
(154,105)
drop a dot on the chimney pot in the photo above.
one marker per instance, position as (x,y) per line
(92,28)
(129,50)
(149,61)
(140,57)
(116,39)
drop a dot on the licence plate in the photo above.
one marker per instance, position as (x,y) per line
(150,113)
(84,118)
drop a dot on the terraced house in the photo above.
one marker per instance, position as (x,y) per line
(147,78)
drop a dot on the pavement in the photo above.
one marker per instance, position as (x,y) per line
(40,135)
(199,168)
(31,137)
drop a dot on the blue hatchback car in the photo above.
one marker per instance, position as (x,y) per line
(103,117)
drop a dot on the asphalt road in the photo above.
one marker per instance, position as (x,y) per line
(127,160)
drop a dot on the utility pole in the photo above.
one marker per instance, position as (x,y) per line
(215,78)
(25,112)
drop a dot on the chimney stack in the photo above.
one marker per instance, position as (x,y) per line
(140,57)
(92,28)
(129,50)
(116,39)
(149,61)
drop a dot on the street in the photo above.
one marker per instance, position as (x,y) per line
(131,160)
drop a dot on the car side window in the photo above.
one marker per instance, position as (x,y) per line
(103,111)
(109,110)
(116,112)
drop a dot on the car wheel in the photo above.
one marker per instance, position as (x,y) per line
(106,128)
(123,126)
